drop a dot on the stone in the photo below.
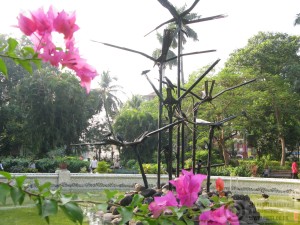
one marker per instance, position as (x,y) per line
(126,200)
(148,192)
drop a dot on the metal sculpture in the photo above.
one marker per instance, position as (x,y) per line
(173,104)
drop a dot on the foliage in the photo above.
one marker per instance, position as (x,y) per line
(47,200)
(165,209)
(28,215)
(152,168)
(132,164)
(103,167)
(45,113)
(130,124)
(44,165)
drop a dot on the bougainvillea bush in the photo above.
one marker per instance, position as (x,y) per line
(187,203)
(40,27)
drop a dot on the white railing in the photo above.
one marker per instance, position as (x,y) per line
(85,181)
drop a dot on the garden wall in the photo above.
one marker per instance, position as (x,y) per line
(126,182)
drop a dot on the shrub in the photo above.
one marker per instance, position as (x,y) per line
(103,167)
(131,164)
(152,168)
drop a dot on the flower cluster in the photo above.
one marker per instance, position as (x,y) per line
(40,25)
(188,187)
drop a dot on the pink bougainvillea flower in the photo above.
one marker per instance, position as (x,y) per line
(42,21)
(51,54)
(40,27)
(219,185)
(220,216)
(65,24)
(26,25)
(188,186)
(160,204)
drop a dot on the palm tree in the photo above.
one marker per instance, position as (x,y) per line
(297,20)
(108,99)
(135,102)
(189,32)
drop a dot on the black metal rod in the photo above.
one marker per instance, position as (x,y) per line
(195,112)
(179,74)
(140,165)
(211,135)
(199,79)
(160,111)
(170,148)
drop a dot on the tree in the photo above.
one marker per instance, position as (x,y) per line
(52,110)
(273,60)
(297,20)
(108,100)
(131,123)
(135,102)
(186,30)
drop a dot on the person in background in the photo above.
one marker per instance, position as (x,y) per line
(266,172)
(295,169)
(1,166)
(93,164)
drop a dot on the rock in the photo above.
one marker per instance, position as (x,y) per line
(107,217)
(139,187)
(126,200)
(246,210)
(148,192)
(116,221)
(114,210)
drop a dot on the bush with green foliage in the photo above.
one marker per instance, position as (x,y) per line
(103,167)
(152,168)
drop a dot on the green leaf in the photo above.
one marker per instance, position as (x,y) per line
(110,194)
(25,64)
(6,174)
(215,199)
(3,68)
(65,200)
(189,221)
(73,211)
(4,190)
(152,221)
(164,221)
(17,195)
(126,214)
(102,207)
(178,212)
(27,51)
(20,181)
(49,207)
(136,200)
(46,185)
(177,222)
(12,44)
(204,201)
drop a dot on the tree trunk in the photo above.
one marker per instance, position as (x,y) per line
(280,135)
(222,147)
(282,141)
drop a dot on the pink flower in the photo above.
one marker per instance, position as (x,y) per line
(220,216)
(160,204)
(188,186)
(43,21)
(65,24)
(219,184)
(40,27)
(26,25)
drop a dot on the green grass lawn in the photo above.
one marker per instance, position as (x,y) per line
(29,216)
(27,213)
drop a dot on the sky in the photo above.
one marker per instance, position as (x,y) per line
(125,23)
